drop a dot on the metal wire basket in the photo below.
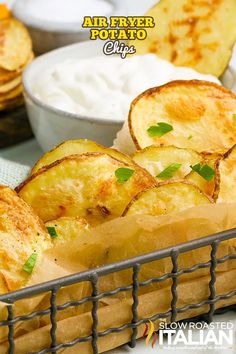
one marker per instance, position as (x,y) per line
(135,264)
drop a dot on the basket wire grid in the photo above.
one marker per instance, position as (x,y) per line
(135,264)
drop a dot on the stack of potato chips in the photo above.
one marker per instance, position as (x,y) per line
(15,54)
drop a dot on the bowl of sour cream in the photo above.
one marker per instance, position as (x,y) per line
(78,92)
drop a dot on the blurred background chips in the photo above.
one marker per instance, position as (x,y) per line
(15,54)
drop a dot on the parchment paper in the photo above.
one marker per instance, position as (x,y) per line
(113,241)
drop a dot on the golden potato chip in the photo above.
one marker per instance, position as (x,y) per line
(166,198)
(16,45)
(74,147)
(10,85)
(66,229)
(15,92)
(7,75)
(167,162)
(94,186)
(227,169)
(4,12)
(12,103)
(193,33)
(209,187)
(21,235)
(191,114)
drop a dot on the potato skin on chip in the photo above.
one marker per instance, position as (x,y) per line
(200,114)
(197,34)
(74,147)
(21,234)
(226,191)
(166,198)
(83,186)
(157,158)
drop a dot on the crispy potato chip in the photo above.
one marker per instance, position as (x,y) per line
(67,228)
(159,159)
(10,85)
(12,103)
(191,114)
(15,92)
(16,46)
(74,147)
(193,33)
(4,12)
(84,186)
(166,198)
(21,234)
(7,75)
(208,187)
(226,191)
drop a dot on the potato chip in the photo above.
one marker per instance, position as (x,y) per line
(21,235)
(12,103)
(191,114)
(74,147)
(94,186)
(16,46)
(10,85)
(227,169)
(209,187)
(166,198)
(15,92)
(159,160)
(193,33)
(66,229)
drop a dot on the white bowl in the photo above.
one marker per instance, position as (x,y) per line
(52,126)
(47,35)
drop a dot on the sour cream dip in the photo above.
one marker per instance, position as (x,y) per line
(104,86)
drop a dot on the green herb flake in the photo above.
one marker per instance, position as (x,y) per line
(52,232)
(234,117)
(123,174)
(190,137)
(204,171)
(30,263)
(159,129)
(168,172)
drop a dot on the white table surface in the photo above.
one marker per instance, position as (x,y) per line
(28,152)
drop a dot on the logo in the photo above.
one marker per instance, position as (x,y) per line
(115,29)
(190,335)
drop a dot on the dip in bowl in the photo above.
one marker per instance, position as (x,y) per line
(78,92)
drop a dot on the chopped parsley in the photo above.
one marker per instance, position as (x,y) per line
(52,232)
(159,129)
(30,263)
(234,117)
(168,172)
(190,137)
(204,171)
(123,174)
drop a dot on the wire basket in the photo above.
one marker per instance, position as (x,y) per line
(135,264)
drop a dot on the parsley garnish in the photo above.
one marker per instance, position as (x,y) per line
(169,171)
(234,116)
(190,137)
(123,174)
(204,171)
(30,263)
(52,232)
(159,129)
